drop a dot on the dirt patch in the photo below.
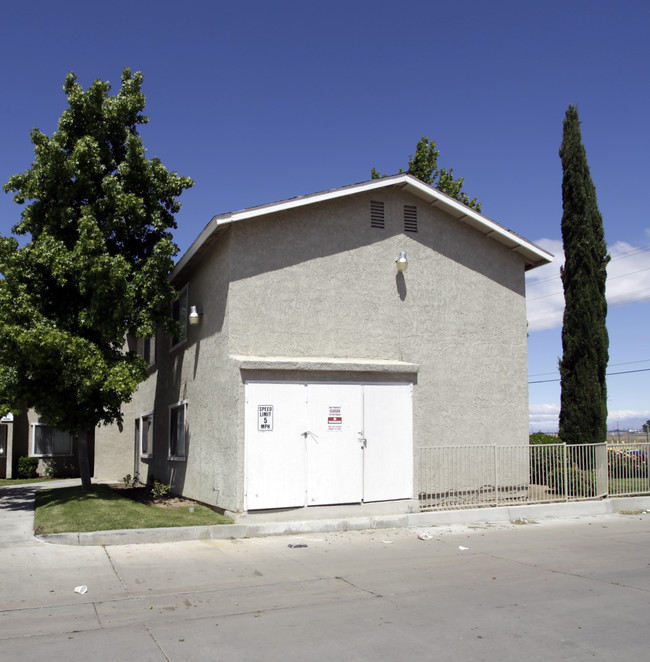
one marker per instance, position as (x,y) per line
(142,494)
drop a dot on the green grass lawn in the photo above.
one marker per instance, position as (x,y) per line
(5,482)
(627,485)
(70,509)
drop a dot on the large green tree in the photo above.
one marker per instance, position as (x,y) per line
(424,165)
(585,342)
(94,266)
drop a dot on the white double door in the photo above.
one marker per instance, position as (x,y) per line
(324,443)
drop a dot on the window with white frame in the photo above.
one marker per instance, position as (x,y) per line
(144,434)
(179,314)
(48,441)
(177,430)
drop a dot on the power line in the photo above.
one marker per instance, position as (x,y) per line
(609,278)
(611,365)
(617,300)
(609,374)
(636,251)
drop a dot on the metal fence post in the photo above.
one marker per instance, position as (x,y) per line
(496,476)
(566,473)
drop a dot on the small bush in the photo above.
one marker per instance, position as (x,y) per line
(160,490)
(544,461)
(624,465)
(537,438)
(27,467)
(581,483)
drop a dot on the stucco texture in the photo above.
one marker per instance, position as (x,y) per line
(318,282)
(323,283)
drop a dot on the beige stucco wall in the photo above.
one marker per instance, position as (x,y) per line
(199,373)
(328,286)
(318,281)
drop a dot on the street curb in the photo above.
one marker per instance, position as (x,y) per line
(435,518)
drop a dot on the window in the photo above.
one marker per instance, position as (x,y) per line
(147,349)
(177,431)
(179,314)
(47,441)
(376,214)
(144,434)
(410,218)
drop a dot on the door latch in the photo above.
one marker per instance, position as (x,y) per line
(307,433)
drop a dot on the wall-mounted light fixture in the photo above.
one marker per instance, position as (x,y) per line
(195,316)
(401,262)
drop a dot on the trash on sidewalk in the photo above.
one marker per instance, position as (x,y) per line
(296,546)
(462,548)
(388,542)
(424,536)
(81,589)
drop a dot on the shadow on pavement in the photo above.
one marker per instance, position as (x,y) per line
(17,499)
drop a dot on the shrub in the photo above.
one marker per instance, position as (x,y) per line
(624,465)
(128,481)
(537,438)
(160,490)
(27,467)
(544,461)
(581,483)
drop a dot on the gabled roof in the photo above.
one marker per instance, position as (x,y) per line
(533,255)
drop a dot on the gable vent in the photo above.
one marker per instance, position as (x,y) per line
(376,214)
(410,218)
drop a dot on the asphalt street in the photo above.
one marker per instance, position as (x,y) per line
(570,589)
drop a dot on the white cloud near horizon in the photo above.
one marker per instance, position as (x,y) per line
(626,418)
(628,280)
(545,418)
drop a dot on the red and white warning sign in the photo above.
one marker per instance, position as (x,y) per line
(334,419)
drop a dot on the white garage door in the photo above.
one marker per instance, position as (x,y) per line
(334,445)
(388,429)
(275,447)
(324,443)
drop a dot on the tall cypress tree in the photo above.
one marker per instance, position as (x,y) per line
(583,413)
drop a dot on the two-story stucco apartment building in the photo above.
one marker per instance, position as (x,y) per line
(326,339)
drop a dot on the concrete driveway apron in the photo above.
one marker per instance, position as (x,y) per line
(16,514)
(17,510)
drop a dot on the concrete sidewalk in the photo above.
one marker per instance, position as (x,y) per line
(17,520)
(567,589)
(17,509)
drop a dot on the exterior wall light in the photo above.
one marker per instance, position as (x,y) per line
(401,262)
(194,316)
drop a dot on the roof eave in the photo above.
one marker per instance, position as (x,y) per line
(534,256)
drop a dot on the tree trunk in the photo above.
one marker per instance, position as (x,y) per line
(82,456)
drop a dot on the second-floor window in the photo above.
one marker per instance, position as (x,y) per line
(179,314)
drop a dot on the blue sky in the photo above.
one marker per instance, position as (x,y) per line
(262,101)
